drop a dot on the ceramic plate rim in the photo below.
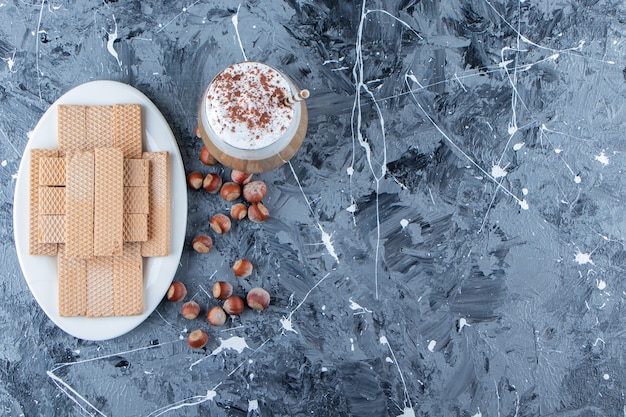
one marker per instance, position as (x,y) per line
(40,272)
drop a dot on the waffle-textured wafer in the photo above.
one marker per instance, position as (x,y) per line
(72,132)
(52,228)
(128,131)
(158,243)
(99,286)
(135,227)
(136,172)
(136,200)
(99,125)
(72,285)
(128,281)
(52,171)
(79,204)
(51,200)
(108,226)
(34,247)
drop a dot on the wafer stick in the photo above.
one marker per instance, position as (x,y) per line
(34,247)
(299,96)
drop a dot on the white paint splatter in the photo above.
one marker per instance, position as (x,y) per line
(518,146)
(253,405)
(577,179)
(523,204)
(4,163)
(525,191)
(478,414)
(388,360)
(383,340)
(462,323)
(351,208)
(235,20)
(350,171)
(431,345)
(601,284)
(558,150)
(407,412)
(355,306)
(326,239)
(234,343)
(111,37)
(404,223)
(498,172)
(602,158)
(352,344)
(606,377)
(583,258)
(324,369)
(287,324)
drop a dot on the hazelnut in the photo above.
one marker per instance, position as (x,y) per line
(239,211)
(222,290)
(176,292)
(242,268)
(202,244)
(197,131)
(240,177)
(220,223)
(206,158)
(233,305)
(212,183)
(191,310)
(258,213)
(258,299)
(195,180)
(230,191)
(254,191)
(197,339)
(216,316)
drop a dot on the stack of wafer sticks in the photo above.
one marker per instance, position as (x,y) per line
(100,204)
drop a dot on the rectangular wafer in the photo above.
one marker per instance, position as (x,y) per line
(72,131)
(99,125)
(108,227)
(128,281)
(34,247)
(158,243)
(136,200)
(135,227)
(79,204)
(51,200)
(136,172)
(72,285)
(128,130)
(99,286)
(52,228)
(52,171)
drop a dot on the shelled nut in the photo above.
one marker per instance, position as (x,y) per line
(254,191)
(197,339)
(233,305)
(216,316)
(242,268)
(202,244)
(258,299)
(177,291)
(220,223)
(230,191)
(258,213)
(222,290)
(195,180)
(212,183)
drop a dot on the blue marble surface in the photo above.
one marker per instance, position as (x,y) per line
(449,241)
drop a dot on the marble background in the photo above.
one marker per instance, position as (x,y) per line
(449,241)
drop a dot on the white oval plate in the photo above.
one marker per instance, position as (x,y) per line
(40,272)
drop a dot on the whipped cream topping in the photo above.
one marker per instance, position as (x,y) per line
(245,105)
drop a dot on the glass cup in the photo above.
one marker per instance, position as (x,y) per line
(245,121)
